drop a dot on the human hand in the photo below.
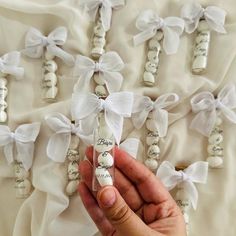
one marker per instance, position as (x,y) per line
(138,204)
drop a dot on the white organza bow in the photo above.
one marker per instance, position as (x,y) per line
(9,64)
(23,138)
(144,105)
(60,141)
(192,13)
(130,145)
(149,22)
(195,173)
(108,67)
(35,42)
(105,9)
(86,106)
(207,109)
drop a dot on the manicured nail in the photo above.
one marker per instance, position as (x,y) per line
(107,197)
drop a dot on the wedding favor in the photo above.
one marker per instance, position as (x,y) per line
(63,146)
(204,20)
(160,34)
(18,148)
(48,47)
(105,72)
(210,113)
(183,178)
(103,117)
(101,13)
(9,66)
(155,116)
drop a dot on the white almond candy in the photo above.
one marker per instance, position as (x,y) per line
(99,31)
(51,93)
(151,67)
(99,42)
(3,116)
(199,65)
(150,125)
(154,45)
(148,78)
(159,35)
(72,187)
(153,152)
(73,167)
(182,200)
(151,164)
(202,26)
(203,37)
(98,79)
(105,132)
(103,176)
(215,161)
(216,139)
(106,160)
(104,145)
(153,56)
(49,56)
(97,52)
(3,92)
(50,66)
(215,150)
(73,155)
(21,173)
(152,138)
(186,217)
(101,91)
(50,79)
(23,188)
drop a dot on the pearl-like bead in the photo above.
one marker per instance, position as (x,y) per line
(151,164)
(106,160)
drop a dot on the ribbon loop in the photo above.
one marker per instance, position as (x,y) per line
(207,108)
(24,138)
(193,12)
(117,106)
(35,42)
(148,22)
(195,173)
(105,7)
(109,66)
(9,64)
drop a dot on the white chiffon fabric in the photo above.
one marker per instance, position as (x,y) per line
(48,211)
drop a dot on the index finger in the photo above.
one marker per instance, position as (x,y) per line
(148,185)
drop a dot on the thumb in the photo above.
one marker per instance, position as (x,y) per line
(123,219)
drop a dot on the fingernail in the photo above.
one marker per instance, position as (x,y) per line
(107,197)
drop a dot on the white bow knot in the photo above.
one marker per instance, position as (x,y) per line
(105,7)
(24,138)
(193,12)
(9,64)
(35,42)
(117,106)
(207,108)
(60,141)
(143,105)
(108,67)
(148,22)
(195,173)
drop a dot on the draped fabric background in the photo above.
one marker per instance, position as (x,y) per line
(48,211)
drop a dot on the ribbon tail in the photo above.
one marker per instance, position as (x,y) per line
(106,13)
(192,192)
(143,36)
(66,57)
(171,41)
(58,146)
(161,121)
(113,81)
(139,118)
(115,123)
(131,146)
(8,152)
